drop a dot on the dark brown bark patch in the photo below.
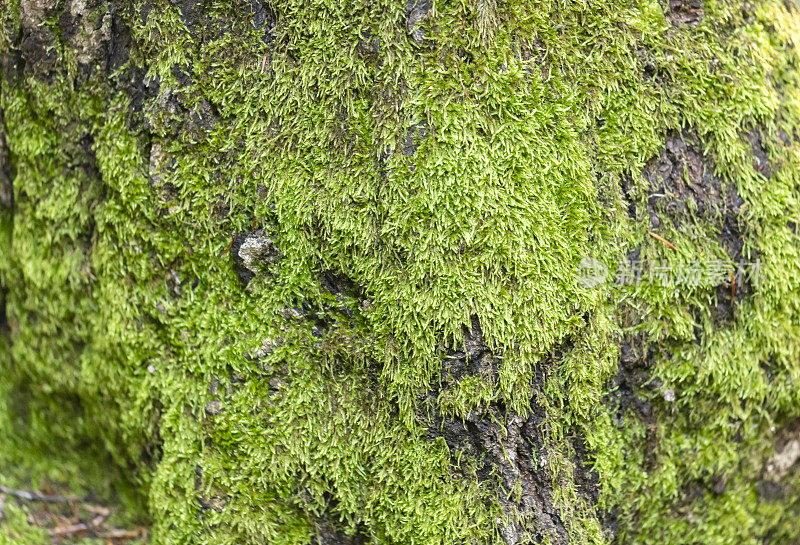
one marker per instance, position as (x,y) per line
(6,208)
(685,12)
(6,187)
(683,184)
(761,161)
(369,45)
(508,450)
(36,52)
(681,176)
(202,23)
(632,388)
(585,477)
(264,17)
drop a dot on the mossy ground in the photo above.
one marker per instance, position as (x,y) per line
(131,339)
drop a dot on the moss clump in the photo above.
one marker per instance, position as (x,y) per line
(415,179)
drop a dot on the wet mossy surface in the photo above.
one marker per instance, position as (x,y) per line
(311,272)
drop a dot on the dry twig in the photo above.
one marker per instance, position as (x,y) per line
(228,249)
(33,496)
(121,534)
(662,240)
(264,62)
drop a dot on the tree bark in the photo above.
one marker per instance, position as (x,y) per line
(458,272)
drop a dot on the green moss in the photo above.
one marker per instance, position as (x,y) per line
(16,528)
(125,310)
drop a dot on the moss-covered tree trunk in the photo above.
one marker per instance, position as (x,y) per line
(350,272)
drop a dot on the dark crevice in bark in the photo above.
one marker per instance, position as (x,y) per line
(6,185)
(636,360)
(330,532)
(126,76)
(682,189)
(632,389)
(4,327)
(264,17)
(417,14)
(584,475)
(682,178)
(630,395)
(657,76)
(507,452)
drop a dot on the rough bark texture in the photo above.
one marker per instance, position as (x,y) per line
(402,272)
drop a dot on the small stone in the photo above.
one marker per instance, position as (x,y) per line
(277,383)
(267,346)
(289,313)
(257,249)
(213,408)
(654,221)
(669,395)
(784,459)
